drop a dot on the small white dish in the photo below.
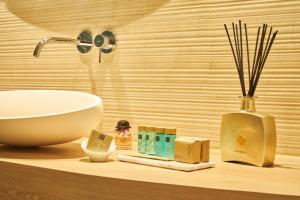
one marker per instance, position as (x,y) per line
(97,156)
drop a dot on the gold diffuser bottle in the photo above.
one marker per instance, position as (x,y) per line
(248,136)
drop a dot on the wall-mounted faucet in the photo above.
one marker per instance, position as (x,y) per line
(43,42)
(84,43)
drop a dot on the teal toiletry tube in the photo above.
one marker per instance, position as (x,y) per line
(170,136)
(150,140)
(160,142)
(141,139)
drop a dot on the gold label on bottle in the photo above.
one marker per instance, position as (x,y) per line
(241,140)
(248,137)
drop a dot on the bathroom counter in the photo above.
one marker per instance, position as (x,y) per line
(63,172)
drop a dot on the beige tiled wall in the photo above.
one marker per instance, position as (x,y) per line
(172,66)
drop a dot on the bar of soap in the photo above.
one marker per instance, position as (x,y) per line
(205,150)
(187,151)
(191,150)
(99,142)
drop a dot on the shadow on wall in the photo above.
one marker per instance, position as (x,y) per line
(65,15)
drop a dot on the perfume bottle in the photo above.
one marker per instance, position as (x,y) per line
(123,139)
(248,136)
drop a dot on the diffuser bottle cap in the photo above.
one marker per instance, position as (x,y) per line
(170,131)
(159,130)
(150,129)
(248,104)
(141,128)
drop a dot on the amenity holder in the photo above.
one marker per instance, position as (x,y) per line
(166,164)
(190,153)
(98,147)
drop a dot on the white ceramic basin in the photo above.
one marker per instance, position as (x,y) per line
(46,117)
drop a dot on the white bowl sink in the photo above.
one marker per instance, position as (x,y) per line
(47,117)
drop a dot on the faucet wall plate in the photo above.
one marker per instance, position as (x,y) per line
(111,42)
(85,38)
(106,43)
(99,41)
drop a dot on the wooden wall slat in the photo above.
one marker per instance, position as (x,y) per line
(172,67)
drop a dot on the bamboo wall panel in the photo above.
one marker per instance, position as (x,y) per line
(172,67)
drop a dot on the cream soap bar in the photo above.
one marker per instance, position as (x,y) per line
(191,150)
(99,142)
(187,150)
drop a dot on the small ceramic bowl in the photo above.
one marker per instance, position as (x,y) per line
(97,156)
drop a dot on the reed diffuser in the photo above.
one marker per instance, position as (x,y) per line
(249,136)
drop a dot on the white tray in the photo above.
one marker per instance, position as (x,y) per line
(166,164)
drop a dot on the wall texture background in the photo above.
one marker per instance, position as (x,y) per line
(172,67)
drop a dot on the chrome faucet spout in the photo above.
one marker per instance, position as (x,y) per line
(45,41)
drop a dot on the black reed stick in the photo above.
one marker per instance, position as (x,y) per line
(254,58)
(242,63)
(236,42)
(248,58)
(258,60)
(231,45)
(259,54)
(238,47)
(241,49)
(235,57)
(267,41)
(261,63)
(269,47)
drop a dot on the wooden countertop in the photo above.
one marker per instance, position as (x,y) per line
(64,172)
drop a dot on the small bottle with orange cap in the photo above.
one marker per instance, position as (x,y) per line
(123,138)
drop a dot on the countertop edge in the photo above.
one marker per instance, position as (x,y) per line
(19,181)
